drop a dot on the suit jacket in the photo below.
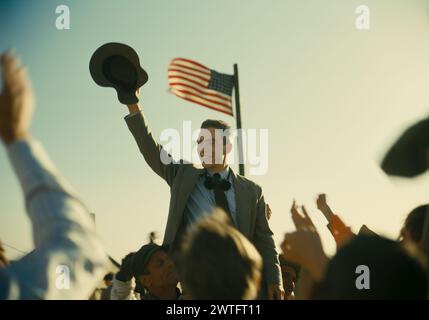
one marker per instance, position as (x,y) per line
(182,177)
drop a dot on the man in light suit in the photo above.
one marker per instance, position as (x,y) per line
(195,191)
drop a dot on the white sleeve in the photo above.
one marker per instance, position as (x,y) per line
(123,290)
(68,260)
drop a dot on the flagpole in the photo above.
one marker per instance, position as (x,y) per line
(238,119)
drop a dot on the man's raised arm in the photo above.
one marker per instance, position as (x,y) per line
(155,155)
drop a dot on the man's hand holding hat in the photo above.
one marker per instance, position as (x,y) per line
(125,273)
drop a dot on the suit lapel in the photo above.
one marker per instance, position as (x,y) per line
(242,202)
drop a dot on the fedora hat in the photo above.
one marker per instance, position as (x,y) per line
(117,65)
(408,155)
(142,257)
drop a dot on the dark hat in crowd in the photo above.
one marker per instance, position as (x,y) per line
(108,277)
(117,65)
(408,155)
(142,257)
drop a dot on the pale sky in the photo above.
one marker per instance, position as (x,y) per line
(332,97)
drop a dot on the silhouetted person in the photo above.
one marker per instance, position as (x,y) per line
(108,281)
(393,273)
(219,262)
(412,229)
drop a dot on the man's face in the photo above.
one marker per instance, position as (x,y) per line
(210,147)
(162,271)
(289,278)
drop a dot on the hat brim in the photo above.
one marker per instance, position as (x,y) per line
(407,157)
(96,68)
(140,264)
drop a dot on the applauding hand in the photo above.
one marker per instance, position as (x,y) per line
(323,206)
(16,100)
(304,246)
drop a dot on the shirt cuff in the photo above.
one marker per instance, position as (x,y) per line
(132,114)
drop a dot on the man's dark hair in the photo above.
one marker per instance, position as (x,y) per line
(219,262)
(394,273)
(415,221)
(108,277)
(217,124)
(140,263)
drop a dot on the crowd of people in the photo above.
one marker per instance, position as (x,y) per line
(217,244)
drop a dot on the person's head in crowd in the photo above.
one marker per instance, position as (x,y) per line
(290,273)
(108,279)
(412,229)
(155,271)
(373,268)
(153,237)
(214,143)
(219,262)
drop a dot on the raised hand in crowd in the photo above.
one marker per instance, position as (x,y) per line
(304,246)
(125,273)
(336,226)
(16,100)
(63,231)
(323,206)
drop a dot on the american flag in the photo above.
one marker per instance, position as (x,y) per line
(196,83)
